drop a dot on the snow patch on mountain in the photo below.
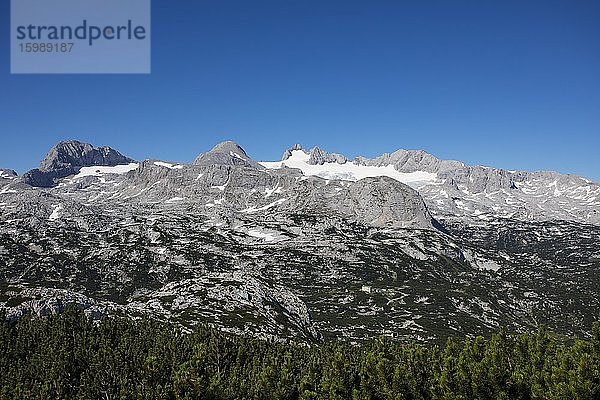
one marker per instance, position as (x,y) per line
(350,171)
(266,236)
(55,212)
(168,165)
(102,170)
(253,209)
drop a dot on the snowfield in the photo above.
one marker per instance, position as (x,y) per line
(55,212)
(350,171)
(99,170)
(168,165)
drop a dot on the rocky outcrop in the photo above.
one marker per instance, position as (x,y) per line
(384,202)
(45,179)
(288,153)
(7,173)
(316,156)
(320,157)
(7,176)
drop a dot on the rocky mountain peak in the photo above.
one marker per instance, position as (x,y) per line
(226,153)
(67,157)
(229,146)
(73,153)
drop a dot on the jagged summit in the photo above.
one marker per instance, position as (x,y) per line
(319,157)
(73,153)
(67,157)
(316,156)
(226,153)
(402,160)
(288,153)
(412,160)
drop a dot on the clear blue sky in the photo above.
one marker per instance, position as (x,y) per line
(512,84)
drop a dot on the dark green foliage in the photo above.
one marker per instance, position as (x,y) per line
(71,356)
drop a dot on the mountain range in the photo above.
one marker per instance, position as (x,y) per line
(313,247)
